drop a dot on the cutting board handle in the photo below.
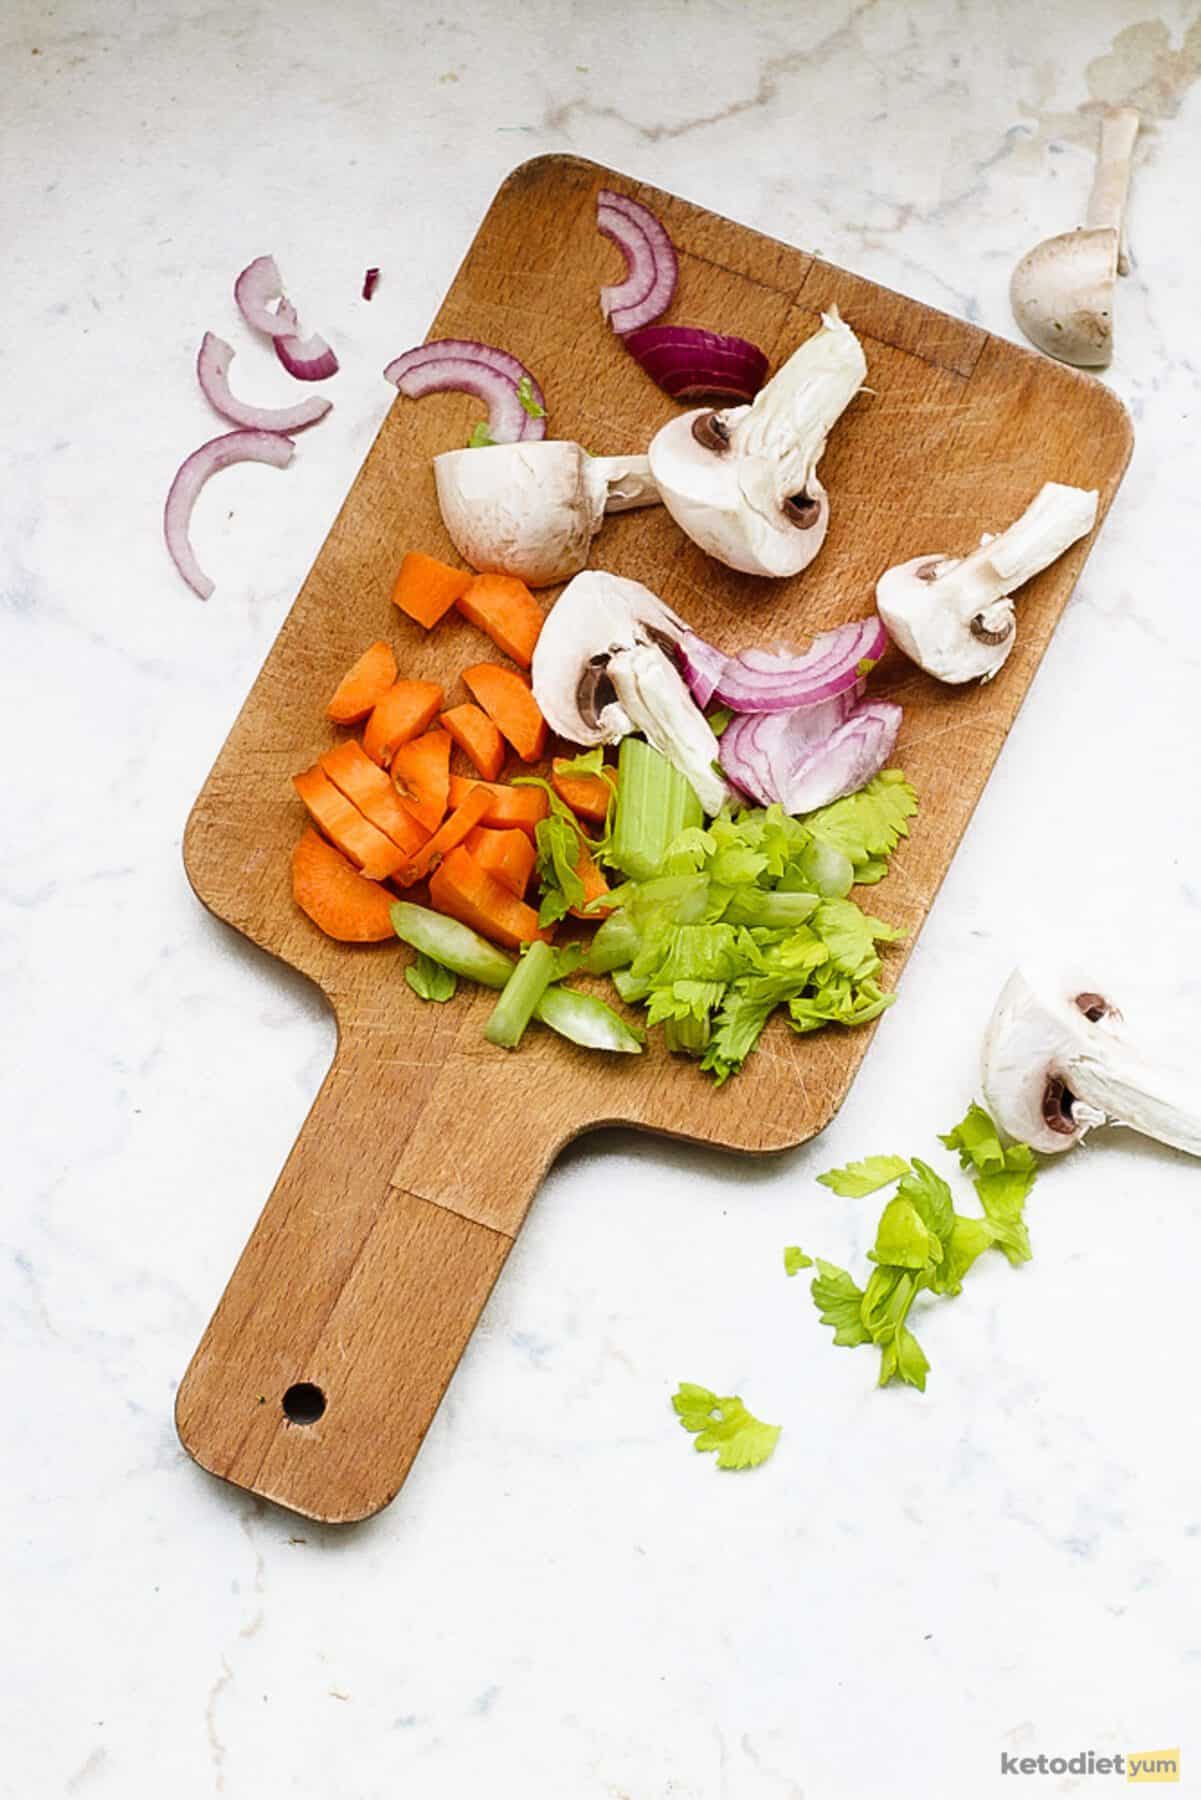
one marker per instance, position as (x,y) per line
(340,1328)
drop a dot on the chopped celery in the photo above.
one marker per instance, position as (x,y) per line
(688,1036)
(521,994)
(654,804)
(615,945)
(586,1021)
(453,945)
(776,909)
(823,867)
(631,987)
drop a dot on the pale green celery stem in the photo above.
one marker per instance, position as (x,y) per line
(659,705)
(654,804)
(778,909)
(586,1021)
(520,996)
(781,436)
(456,946)
(615,945)
(688,1036)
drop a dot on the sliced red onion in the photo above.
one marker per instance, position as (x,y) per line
(777,681)
(212,372)
(847,759)
(218,453)
(309,359)
(370,283)
(651,265)
(488,354)
(760,751)
(462,375)
(690,364)
(257,285)
(702,665)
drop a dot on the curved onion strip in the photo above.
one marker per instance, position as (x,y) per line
(462,375)
(489,354)
(212,372)
(847,759)
(308,359)
(702,666)
(651,266)
(218,453)
(691,364)
(770,681)
(258,284)
(760,752)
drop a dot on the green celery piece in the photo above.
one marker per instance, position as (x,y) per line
(631,987)
(968,1239)
(868,873)
(826,868)
(930,1196)
(839,1301)
(795,1259)
(760,906)
(718,719)
(453,945)
(586,1021)
(903,1240)
(977,1140)
(481,437)
(851,936)
(519,996)
(615,945)
(525,393)
(430,979)
(687,1035)
(723,1424)
(861,1178)
(868,824)
(588,762)
(654,804)
(902,1355)
(1003,1195)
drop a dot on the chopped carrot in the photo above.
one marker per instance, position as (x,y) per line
(426,588)
(421,776)
(368,848)
(519,806)
(402,714)
(509,855)
(336,897)
(451,832)
(508,700)
(505,609)
(363,685)
(587,795)
(476,735)
(470,894)
(354,774)
(595,885)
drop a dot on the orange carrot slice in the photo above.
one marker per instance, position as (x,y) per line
(587,795)
(450,833)
(509,806)
(363,685)
(476,735)
(468,893)
(508,700)
(402,714)
(505,609)
(343,903)
(421,776)
(509,855)
(368,848)
(426,588)
(366,786)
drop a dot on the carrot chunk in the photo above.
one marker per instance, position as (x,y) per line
(366,786)
(509,702)
(509,855)
(402,714)
(470,894)
(343,903)
(476,735)
(368,848)
(363,685)
(421,776)
(519,806)
(505,609)
(587,795)
(451,832)
(426,588)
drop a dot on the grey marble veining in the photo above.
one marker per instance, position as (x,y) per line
(565,1601)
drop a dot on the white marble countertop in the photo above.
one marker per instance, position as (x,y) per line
(565,1602)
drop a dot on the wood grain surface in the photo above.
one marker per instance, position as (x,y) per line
(376,1251)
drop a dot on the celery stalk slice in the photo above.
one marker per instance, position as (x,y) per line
(456,946)
(774,908)
(654,804)
(615,945)
(520,995)
(586,1021)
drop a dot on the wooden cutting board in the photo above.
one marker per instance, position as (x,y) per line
(395,1211)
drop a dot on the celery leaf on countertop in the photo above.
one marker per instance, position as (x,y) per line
(722,1423)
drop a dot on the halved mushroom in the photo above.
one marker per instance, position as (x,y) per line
(533,509)
(954,615)
(1056,1065)
(604,667)
(742,482)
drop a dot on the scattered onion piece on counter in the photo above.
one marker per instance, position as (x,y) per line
(370,283)
(257,285)
(308,359)
(460,365)
(651,266)
(695,365)
(219,453)
(780,681)
(212,372)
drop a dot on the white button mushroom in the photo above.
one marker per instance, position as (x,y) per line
(954,615)
(743,482)
(604,667)
(533,509)
(1056,1065)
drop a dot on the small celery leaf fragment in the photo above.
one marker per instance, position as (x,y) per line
(722,1423)
(861,1178)
(481,438)
(839,1302)
(525,393)
(795,1260)
(432,980)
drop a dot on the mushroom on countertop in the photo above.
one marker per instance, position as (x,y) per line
(533,509)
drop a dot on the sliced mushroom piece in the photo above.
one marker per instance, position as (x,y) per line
(954,615)
(533,509)
(742,482)
(1056,1065)
(604,667)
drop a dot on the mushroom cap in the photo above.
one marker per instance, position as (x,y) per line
(596,616)
(1031,1042)
(936,635)
(705,494)
(1062,296)
(524,509)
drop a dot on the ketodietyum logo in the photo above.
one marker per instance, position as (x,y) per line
(1135,1765)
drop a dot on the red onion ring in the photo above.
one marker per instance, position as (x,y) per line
(702,666)
(212,372)
(771,681)
(462,365)
(808,758)
(218,453)
(489,354)
(259,283)
(651,265)
(308,359)
(846,760)
(691,364)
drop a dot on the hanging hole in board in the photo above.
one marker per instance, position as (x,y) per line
(304,1403)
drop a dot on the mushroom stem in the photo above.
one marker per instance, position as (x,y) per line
(783,432)
(1053,521)
(621,483)
(1158,1101)
(1111,183)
